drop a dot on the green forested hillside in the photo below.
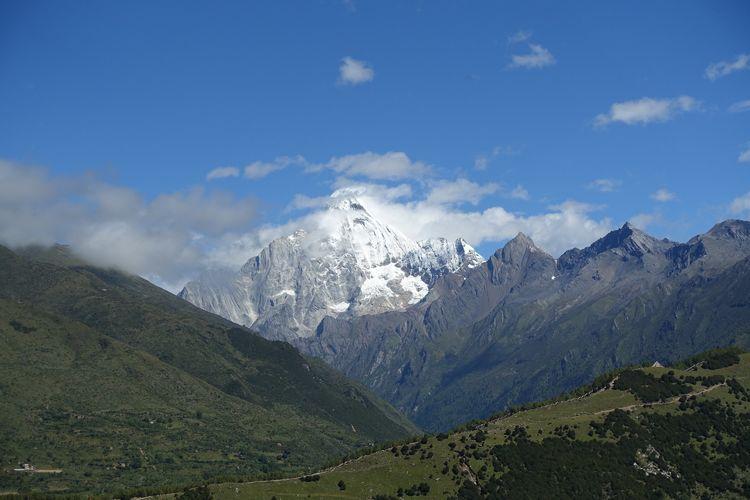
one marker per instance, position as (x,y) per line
(638,433)
(120,385)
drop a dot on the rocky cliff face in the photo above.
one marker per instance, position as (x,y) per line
(349,265)
(524,326)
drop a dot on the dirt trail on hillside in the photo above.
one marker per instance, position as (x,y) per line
(609,386)
(659,403)
(324,471)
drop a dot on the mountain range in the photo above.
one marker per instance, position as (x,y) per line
(478,337)
(120,384)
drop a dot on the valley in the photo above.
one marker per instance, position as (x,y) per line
(374,250)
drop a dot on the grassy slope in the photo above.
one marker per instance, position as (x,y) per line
(383,472)
(122,385)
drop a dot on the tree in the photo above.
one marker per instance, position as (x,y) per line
(199,493)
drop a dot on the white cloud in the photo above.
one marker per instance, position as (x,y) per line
(724,68)
(643,220)
(558,228)
(520,193)
(166,237)
(223,172)
(663,195)
(354,72)
(741,205)
(482,161)
(740,106)
(744,155)
(172,237)
(260,169)
(393,165)
(537,57)
(519,36)
(459,191)
(382,191)
(604,185)
(646,110)
(303,202)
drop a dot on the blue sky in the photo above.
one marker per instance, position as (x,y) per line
(143,99)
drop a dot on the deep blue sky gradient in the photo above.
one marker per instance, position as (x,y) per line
(153,95)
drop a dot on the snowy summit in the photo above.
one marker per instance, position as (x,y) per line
(351,264)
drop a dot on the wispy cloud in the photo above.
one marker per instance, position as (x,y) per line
(355,72)
(740,106)
(259,169)
(663,195)
(643,220)
(519,36)
(393,165)
(745,155)
(520,193)
(460,191)
(482,161)
(741,205)
(223,172)
(537,57)
(604,185)
(646,110)
(723,68)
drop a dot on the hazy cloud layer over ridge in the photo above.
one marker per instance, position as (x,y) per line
(174,236)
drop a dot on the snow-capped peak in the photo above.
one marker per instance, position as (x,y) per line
(345,262)
(346,230)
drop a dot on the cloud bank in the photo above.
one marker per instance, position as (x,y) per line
(172,237)
(165,238)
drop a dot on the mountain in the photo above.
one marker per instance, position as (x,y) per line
(349,264)
(121,384)
(524,326)
(642,432)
